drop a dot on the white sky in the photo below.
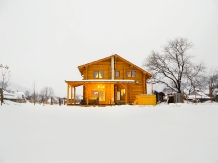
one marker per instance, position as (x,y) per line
(45,40)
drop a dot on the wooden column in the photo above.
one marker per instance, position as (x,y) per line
(124,73)
(74,93)
(126,93)
(86,92)
(71,94)
(144,83)
(112,93)
(130,93)
(86,72)
(115,93)
(67,93)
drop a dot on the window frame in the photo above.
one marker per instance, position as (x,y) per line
(98,71)
(131,73)
(116,73)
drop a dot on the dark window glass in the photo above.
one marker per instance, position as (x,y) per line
(117,73)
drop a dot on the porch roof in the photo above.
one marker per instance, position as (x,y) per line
(77,83)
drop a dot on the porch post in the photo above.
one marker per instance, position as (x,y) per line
(126,93)
(86,95)
(74,93)
(67,93)
(115,93)
(71,94)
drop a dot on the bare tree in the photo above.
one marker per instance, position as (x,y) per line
(27,94)
(34,92)
(212,80)
(78,98)
(5,77)
(170,68)
(195,76)
(47,92)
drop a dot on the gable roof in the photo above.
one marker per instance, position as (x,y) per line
(116,56)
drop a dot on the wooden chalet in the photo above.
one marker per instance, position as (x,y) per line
(108,81)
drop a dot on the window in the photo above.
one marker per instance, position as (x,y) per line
(128,73)
(131,73)
(122,92)
(101,95)
(98,74)
(117,73)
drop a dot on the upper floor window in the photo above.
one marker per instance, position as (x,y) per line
(117,73)
(131,73)
(98,74)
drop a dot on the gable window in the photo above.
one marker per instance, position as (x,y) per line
(98,74)
(131,73)
(117,73)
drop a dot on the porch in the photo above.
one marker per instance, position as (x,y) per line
(99,92)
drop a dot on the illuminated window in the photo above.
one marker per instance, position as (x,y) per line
(128,73)
(131,73)
(122,92)
(101,95)
(117,73)
(98,74)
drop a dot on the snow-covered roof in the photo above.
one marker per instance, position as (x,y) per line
(16,95)
(197,96)
(201,94)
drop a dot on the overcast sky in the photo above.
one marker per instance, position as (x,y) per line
(45,40)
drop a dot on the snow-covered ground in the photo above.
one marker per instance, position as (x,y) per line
(174,133)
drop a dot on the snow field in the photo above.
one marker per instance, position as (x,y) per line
(163,133)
